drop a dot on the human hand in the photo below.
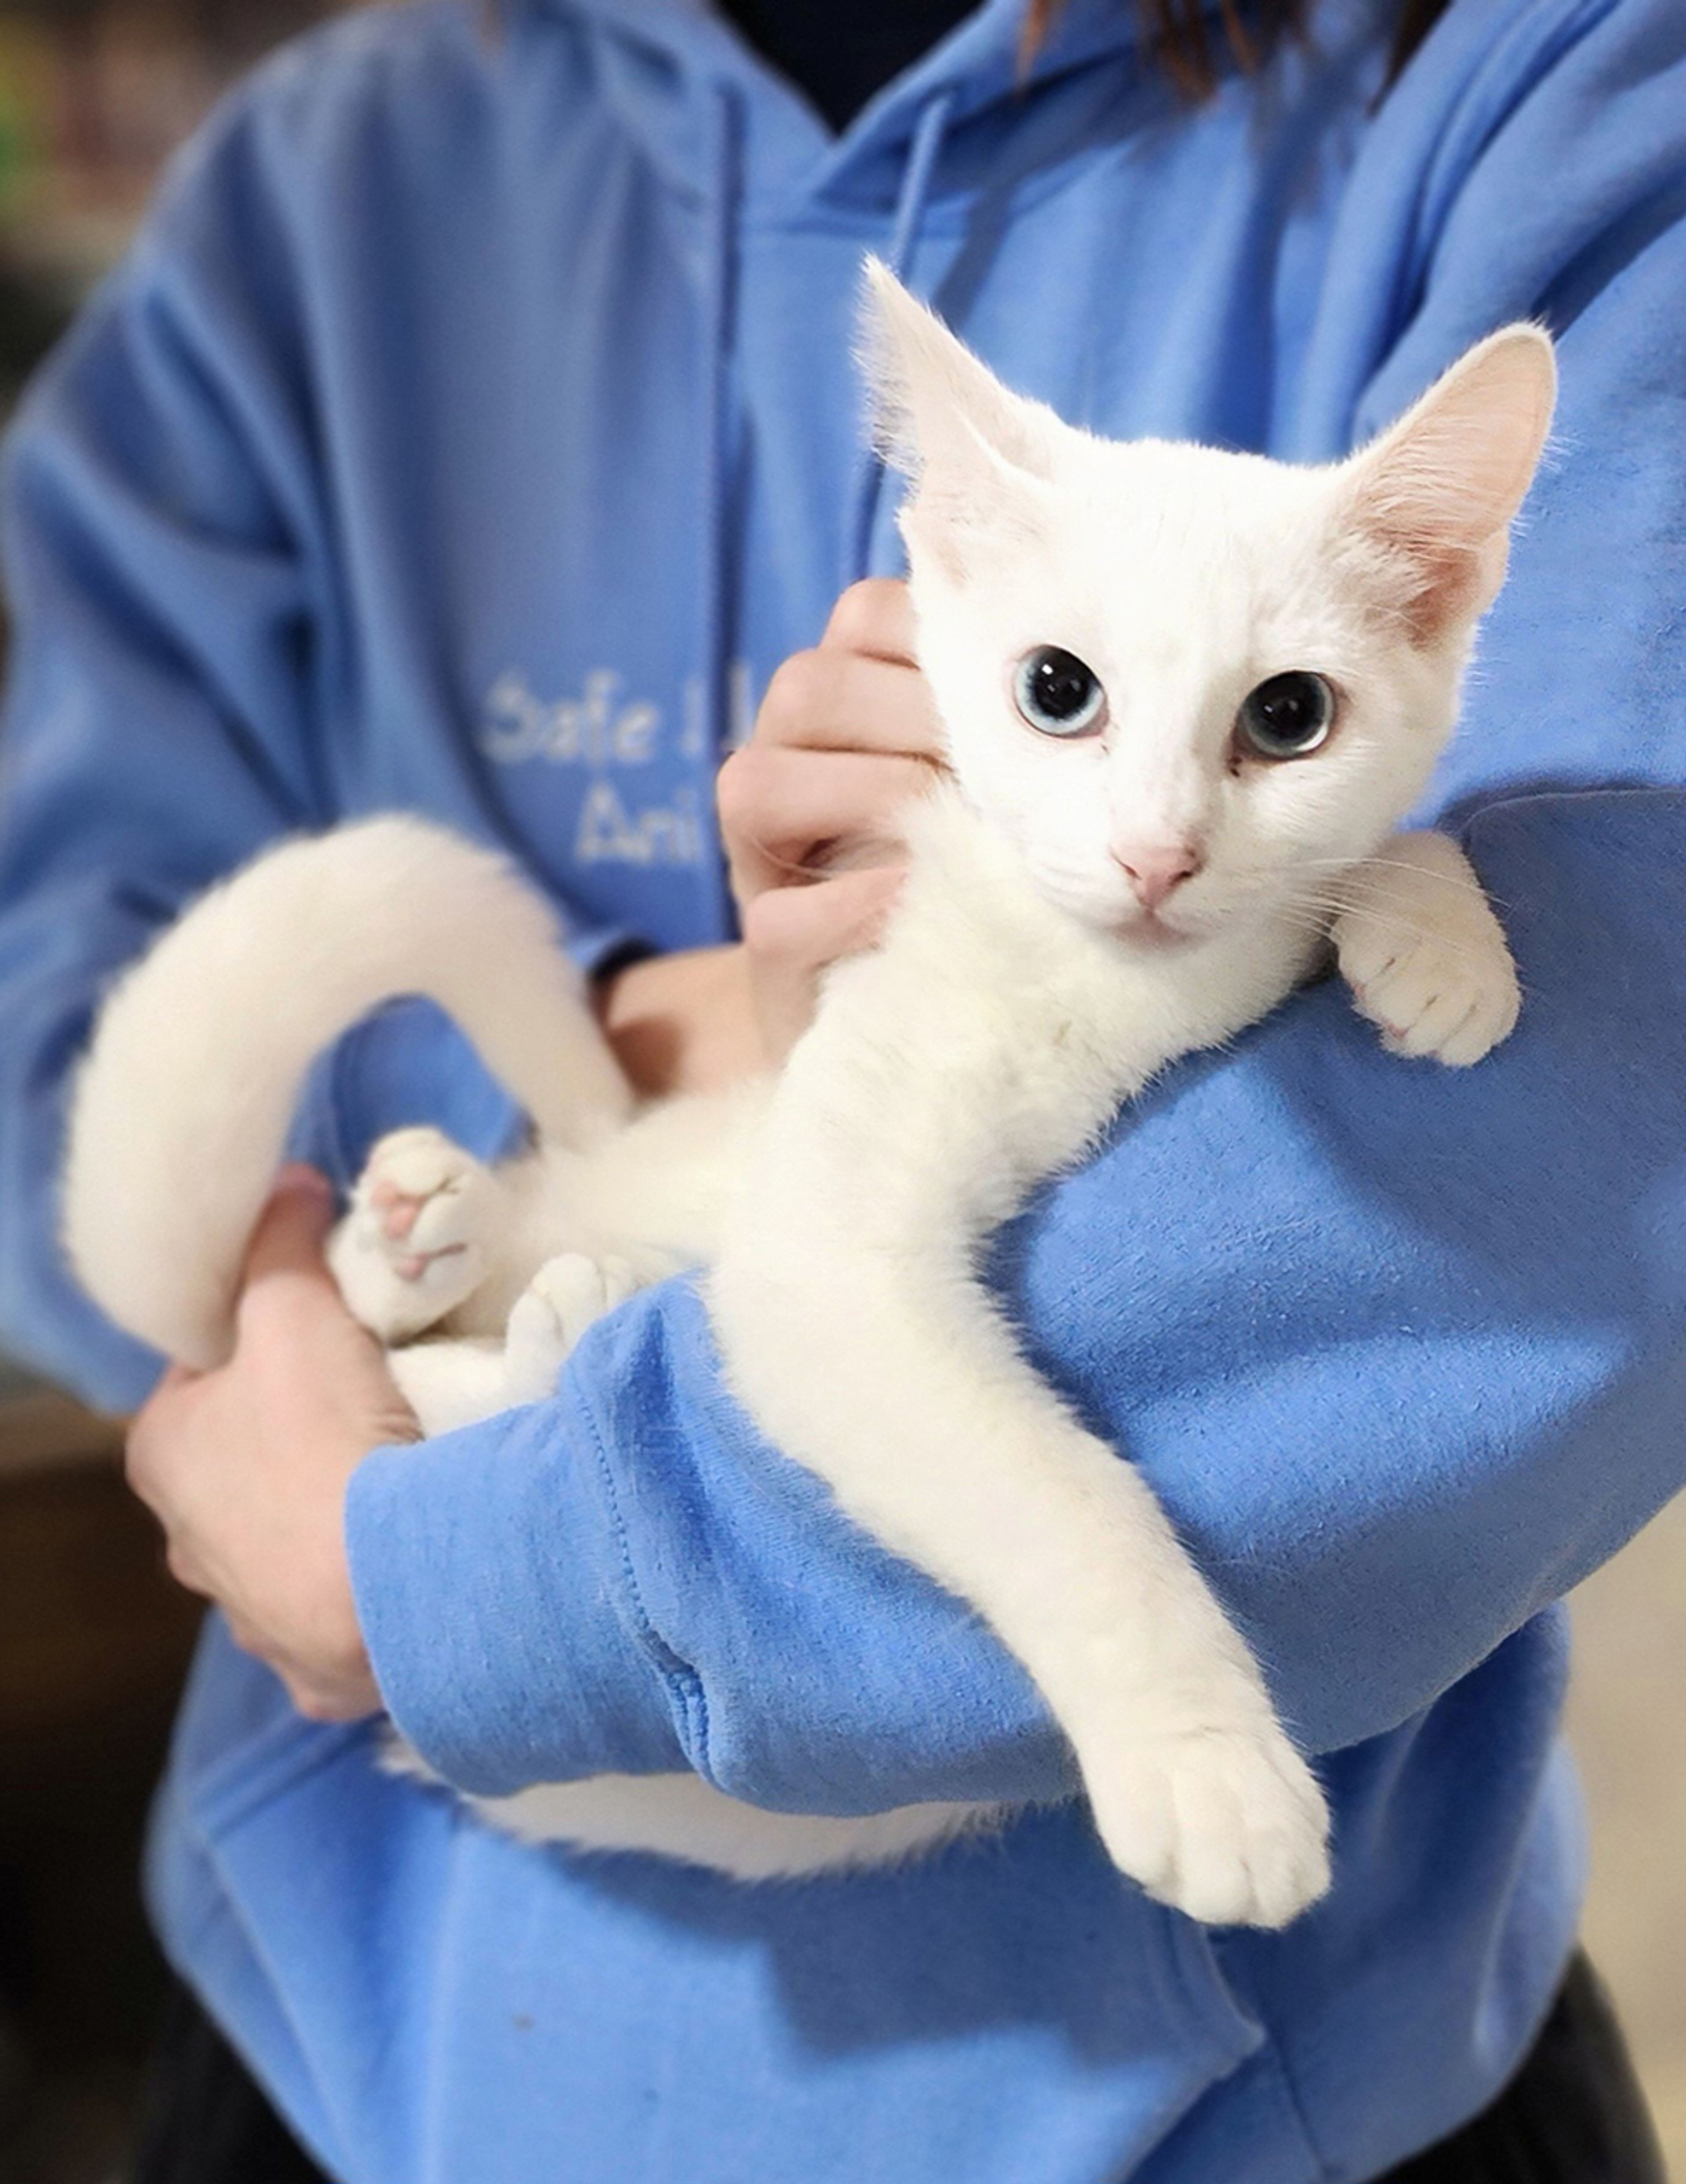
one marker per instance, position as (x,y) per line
(684,1022)
(846,733)
(246,1466)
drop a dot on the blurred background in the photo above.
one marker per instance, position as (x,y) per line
(94,94)
(93,1638)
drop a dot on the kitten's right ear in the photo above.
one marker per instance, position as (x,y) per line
(1437,491)
(943,419)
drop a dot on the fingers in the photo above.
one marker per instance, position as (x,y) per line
(842,740)
(847,735)
(807,929)
(793,934)
(184,1568)
(778,806)
(294,1225)
(148,1468)
(149,1432)
(832,699)
(874,617)
(320,1702)
(348,1696)
(285,1265)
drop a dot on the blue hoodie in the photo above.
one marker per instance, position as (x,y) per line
(473,429)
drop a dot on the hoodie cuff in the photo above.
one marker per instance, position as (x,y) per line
(491,1602)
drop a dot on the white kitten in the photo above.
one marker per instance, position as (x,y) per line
(1188,695)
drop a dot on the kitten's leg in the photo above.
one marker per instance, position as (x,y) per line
(1424,953)
(893,1379)
(451,1384)
(567,1294)
(457,1383)
(415,1241)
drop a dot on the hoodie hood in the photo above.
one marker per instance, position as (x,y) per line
(665,62)
(730,137)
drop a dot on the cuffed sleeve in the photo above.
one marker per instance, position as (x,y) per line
(498,1610)
(635,1580)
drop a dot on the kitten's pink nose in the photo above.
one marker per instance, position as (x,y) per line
(1154,869)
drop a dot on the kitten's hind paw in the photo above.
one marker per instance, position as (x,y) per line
(408,1250)
(565,1295)
(1228,1825)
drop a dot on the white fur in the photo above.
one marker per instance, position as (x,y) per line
(182,1110)
(681,1816)
(1025,987)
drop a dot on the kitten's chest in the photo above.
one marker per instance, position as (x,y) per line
(991,1039)
(951,1073)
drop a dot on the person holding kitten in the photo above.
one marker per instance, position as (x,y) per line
(473,430)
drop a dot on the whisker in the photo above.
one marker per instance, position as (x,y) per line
(1358,899)
(1408,931)
(1465,885)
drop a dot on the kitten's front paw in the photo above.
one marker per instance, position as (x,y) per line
(564,1296)
(1424,955)
(408,1250)
(1226,1824)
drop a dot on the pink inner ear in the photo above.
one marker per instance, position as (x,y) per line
(1449,589)
(963,515)
(1435,569)
(1438,491)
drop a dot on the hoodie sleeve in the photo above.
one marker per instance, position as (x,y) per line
(166,558)
(1400,1349)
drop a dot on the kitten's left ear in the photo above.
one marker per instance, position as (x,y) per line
(933,400)
(943,419)
(1439,490)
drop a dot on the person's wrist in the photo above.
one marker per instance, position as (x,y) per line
(314,1633)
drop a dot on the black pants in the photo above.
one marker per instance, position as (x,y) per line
(1572,2114)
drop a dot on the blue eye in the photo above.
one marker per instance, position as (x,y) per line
(1057,693)
(1289,716)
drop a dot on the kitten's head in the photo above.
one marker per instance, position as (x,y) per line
(1187,683)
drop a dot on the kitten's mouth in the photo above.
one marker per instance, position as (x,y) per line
(1148,930)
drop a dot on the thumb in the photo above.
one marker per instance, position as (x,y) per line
(293,1227)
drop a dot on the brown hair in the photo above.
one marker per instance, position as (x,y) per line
(1178,36)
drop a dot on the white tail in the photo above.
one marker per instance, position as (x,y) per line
(182,1107)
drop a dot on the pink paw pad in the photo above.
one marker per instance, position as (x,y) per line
(398,1210)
